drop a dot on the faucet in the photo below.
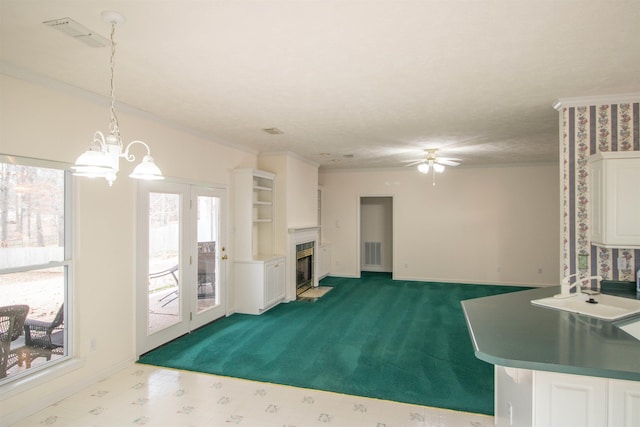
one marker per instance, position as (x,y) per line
(566,286)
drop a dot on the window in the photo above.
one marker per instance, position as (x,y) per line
(35,265)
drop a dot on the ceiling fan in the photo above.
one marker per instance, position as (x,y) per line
(432,162)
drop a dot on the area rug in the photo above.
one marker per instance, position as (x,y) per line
(317,292)
(375,337)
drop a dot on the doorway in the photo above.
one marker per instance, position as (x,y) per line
(376,233)
(181,268)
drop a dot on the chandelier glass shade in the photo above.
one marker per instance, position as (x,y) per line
(102,159)
(431,165)
(425,167)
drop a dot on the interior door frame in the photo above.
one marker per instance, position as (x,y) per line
(359,233)
(187,271)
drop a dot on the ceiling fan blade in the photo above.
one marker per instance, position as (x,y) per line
(414,162)
(447,162)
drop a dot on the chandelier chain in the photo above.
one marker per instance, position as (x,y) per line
(114,128)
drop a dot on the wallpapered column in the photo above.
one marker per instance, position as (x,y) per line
(587,130)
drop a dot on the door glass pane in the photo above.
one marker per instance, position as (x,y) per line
(207,232)
(164,253)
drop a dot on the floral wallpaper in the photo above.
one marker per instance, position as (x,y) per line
(587,130)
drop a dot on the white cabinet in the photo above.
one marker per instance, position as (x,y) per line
(325,260)
(513,397)
(624,403)
(615,199)
(274,282)
(260,284)
(569,400)
(542,399)
(259,273)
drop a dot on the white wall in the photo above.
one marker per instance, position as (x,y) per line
(302,190)
(296,205)
(45,123)
(296,193)
(477,225)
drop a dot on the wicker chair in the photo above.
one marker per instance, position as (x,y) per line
(47,336)
(12,319)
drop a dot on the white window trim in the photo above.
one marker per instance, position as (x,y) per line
(67,363)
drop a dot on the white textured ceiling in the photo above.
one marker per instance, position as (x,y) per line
(379,80)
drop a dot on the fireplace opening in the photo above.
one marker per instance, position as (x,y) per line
(304,267)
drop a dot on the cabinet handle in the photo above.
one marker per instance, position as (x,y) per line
(224,257)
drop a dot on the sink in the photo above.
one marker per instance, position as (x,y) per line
(608,307)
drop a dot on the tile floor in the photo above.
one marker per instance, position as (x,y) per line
(144,395)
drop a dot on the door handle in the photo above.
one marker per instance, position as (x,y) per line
(224,257)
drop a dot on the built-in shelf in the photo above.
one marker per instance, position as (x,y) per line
(254,213)
(259,273)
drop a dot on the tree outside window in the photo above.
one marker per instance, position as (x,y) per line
(34,265)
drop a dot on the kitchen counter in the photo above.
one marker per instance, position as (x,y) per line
(507,330)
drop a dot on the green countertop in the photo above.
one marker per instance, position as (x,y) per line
(508,330)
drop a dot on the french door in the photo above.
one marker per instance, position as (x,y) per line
(181,266)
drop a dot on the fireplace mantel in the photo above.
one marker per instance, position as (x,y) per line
(303,229)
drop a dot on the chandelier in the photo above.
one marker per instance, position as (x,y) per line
(102,159)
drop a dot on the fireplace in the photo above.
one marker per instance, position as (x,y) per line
(301,260)
(304,267)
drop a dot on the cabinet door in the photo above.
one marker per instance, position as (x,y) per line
(325,260)
(569,400)
(615,199)
(280,279)
(624,403)
(274,282)
(514,397)
(270,284)
(624,203)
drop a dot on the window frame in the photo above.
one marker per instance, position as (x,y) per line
(40,374)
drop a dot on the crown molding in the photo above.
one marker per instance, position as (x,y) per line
(627,98)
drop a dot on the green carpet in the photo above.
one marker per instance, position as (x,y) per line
(395,340)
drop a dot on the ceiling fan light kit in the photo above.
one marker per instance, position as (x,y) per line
(102,159)
(431,162)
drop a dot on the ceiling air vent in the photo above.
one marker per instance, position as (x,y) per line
(273,131)
(78,31)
